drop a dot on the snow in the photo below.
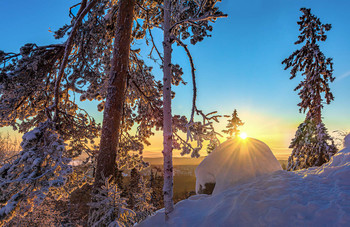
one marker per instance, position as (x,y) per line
(31,135)
(234,161)
(318,196)
(347,141)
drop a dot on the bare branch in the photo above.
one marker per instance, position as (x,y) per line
(193,71)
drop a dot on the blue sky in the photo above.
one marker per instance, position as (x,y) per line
(238,67)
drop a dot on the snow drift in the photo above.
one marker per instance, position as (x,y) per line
(234,161)
(318,196)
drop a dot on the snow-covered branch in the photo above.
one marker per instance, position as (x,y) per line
(198,19)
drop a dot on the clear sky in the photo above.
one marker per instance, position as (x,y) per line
(238,67)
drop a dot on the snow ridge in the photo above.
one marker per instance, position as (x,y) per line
(318,196)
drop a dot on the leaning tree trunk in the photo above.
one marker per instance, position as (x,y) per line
(115,94)
(167,118)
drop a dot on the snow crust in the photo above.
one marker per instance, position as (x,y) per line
(347,141)
(318,196)
(234,161)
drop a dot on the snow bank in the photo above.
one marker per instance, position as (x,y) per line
(235,161)
(318,196)
(347,141)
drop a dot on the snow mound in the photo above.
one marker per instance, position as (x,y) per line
(318,196)
(347,141)
(235,161)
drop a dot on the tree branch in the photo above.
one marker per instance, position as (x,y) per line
(69,45)
(202,18)
(193,71)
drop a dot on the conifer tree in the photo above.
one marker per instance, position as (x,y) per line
(113,111)
(233,124)
(133,187)
(312,146)
(37,85)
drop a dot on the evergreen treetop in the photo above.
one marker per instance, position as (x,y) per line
(312,145)
(233,124)
(316,69)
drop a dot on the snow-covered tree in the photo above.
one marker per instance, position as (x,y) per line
(46,214)
(312,146)
(233,124)
(40,84)
(133,187)
(40,166)
(34,96)
(143,197)
(116,87)
(182,19)
(108,207)
(156,184)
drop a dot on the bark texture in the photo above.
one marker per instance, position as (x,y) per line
(167,117)
(113,112)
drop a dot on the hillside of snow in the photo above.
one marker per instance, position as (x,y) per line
(234,161)
(318,196)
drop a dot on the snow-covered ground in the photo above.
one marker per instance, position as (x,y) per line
(313,197)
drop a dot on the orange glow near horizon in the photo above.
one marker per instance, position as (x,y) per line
(274,131)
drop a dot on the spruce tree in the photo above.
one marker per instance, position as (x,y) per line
(233,124)
(312,146)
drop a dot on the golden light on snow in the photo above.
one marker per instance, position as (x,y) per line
(243,135)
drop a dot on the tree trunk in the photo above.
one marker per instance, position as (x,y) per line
(167,118)
(317,116)
(113,112)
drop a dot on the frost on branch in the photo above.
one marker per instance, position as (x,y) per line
(139,194)
(41,165)
(109,208)
(312,146)
(316,69)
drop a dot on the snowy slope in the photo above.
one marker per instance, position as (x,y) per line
(313,197)
(234,161)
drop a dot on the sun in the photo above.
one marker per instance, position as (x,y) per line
(243,135)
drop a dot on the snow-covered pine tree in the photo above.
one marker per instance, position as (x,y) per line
(40,84)
(143,198)
(182,19)
(28,85)
(156,183)
(133,187)
(32,96)
(108,207)
(233,124)
(40,166)
(312,146)
(116,87)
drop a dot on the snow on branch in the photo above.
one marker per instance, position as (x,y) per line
(41,165)
(198,19)
(68,48)
(109,208)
